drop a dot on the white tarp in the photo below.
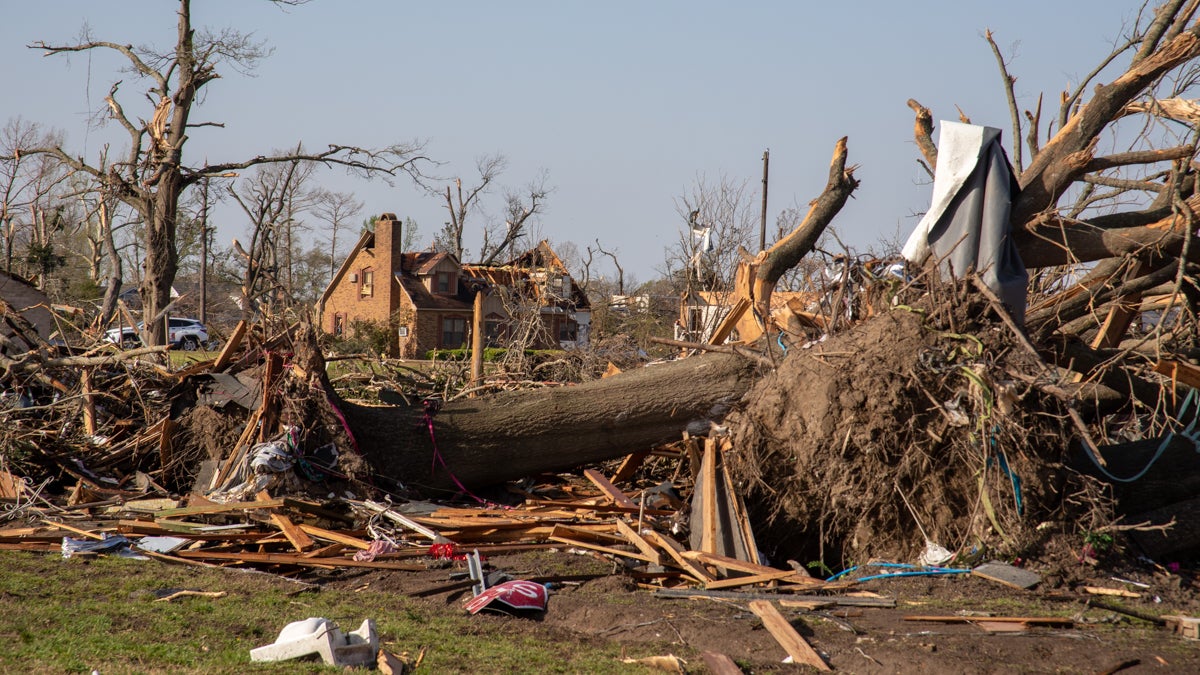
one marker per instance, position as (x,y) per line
(967,225)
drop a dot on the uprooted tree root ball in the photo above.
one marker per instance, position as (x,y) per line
(908,427)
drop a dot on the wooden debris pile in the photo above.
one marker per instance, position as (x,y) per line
(590,515)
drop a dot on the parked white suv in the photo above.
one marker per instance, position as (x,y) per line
(187,334)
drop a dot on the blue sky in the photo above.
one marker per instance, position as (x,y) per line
(623,103)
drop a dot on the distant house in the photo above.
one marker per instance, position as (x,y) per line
(701,312)
(427,297)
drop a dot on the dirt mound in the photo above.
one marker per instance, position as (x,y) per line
(910,425)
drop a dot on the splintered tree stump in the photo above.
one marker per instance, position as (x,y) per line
(506,436)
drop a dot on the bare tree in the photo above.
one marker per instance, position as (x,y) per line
(720,218)
(154,174)
(335,209)
(272,200)
(460,204)
(520,206)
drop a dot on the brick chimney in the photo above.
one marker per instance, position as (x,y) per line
(389,242)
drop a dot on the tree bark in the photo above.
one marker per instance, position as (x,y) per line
(489,440)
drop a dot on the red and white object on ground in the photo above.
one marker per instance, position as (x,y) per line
(517,596)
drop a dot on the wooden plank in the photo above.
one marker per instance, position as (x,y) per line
(740,517)
(11,487)
(210,509)
(726,563)
(791,641)
(602,549)
(611,491)
(720,664)
(336,537)
(809,605)
(231,346)
(725,328)
(165,438)
(635,538)
(735,582)
(742,596)
(674,550)
(593,535)
(599,508)
(709,524)
(1119,592)
(1031,620)
(239,451)
(270,402)
(1121,313)
(629,466)
(298,538)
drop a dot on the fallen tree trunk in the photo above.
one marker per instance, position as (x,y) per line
(492,439)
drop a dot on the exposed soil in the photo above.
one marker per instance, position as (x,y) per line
(851,639)
(905,427)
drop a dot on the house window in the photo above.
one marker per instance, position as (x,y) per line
(367,283)
(402,331)
(442,282)
(339,324)
(454,332)
(568,330)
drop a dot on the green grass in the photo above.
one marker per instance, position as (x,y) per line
(182,359)
(83,614)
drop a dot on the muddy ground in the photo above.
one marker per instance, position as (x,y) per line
(853,640)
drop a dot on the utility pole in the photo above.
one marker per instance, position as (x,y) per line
(762,229)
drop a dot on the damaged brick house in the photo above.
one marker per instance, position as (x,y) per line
(427,297)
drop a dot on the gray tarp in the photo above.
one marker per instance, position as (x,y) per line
(967,225)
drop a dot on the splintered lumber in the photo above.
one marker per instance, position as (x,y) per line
(336,537)
(629,466)
(210,509)
(1179,371)
(674,550)
(11,487)
(298,538)
(634,537)
(565,535)
(231,346)
(611,491)
(735,582)
(787,637)
(1118,592)
(719,522)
